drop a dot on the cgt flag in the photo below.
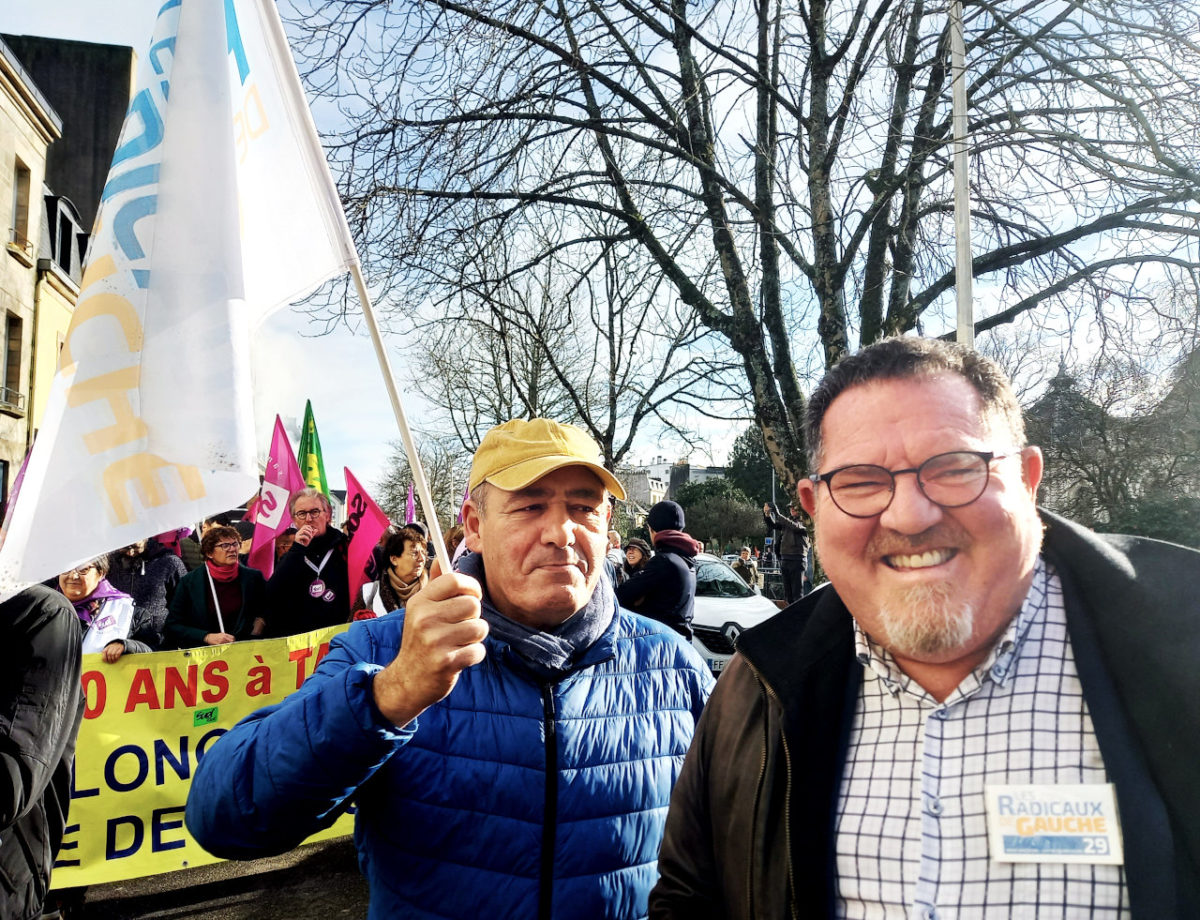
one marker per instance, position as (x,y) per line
(365,524)
(219,207)
(312,464)
(271,517)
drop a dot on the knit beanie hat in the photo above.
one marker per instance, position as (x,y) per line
(665,516)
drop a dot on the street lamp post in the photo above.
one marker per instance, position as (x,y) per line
(962,194)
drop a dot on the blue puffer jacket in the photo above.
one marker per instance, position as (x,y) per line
(510,798)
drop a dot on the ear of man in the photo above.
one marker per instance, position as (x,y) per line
(472,516)
(1033,465)
(806,494)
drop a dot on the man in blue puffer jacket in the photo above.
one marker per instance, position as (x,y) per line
(510,740)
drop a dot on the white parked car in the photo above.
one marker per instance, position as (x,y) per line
(725,607)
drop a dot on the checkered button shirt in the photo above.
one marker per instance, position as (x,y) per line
(911,838)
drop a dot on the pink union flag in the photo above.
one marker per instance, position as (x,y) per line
(271,517)
(365,524)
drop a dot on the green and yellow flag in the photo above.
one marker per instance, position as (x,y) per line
(312,465)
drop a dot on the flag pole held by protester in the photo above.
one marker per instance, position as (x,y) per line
(290,78)
(219,208)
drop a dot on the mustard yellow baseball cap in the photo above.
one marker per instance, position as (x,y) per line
(520,452)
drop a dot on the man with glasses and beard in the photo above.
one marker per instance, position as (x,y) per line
(990,711)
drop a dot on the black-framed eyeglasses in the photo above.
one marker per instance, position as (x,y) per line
(229,547)
(951,480)
(306,515)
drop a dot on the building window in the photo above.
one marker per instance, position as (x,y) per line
(11,396)
(65,251)
(20,212)
(4,467)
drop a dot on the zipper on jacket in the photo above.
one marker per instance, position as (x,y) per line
(758,784)
(550,818)
(787,793)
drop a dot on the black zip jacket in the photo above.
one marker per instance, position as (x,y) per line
(41,703)
(665,590)
(291,607)
(793,535)
(750,831)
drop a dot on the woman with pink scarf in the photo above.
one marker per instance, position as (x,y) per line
(222,601)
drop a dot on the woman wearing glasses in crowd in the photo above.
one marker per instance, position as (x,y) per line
(403,575)
(221,601)
(106,616)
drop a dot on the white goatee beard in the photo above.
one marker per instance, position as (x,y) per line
(923,620)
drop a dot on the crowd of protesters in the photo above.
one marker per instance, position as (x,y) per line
(970,654)
(186,589)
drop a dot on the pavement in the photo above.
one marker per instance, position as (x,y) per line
(319,881)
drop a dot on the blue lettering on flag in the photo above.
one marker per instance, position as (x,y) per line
(234,36)
(131,212)
(67,844)
(167,44)
(152,129)
(135,178)
(136,836)
(141,768)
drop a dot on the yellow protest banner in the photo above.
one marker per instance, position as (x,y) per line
(148,720)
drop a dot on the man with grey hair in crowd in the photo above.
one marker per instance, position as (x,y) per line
(311,584)
(989,712)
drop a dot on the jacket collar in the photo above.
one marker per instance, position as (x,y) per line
(1132,612)
(810,633)
(582,640)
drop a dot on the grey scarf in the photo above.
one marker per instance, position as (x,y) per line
(548,654)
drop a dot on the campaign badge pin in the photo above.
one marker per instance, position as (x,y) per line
(317,588)
(329,596)
(1054,824)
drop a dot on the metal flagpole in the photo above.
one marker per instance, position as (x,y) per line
(410,449)
(962,194)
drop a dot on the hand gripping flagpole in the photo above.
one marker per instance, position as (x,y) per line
(336,224)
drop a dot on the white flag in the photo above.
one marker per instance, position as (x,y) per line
(219,207)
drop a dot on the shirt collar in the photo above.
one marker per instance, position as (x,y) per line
(997,667)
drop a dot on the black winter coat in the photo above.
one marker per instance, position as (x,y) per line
(150,579)
(665,590)
(751,827)
(192,616)
(41,703)
(291,607)
(793,535)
